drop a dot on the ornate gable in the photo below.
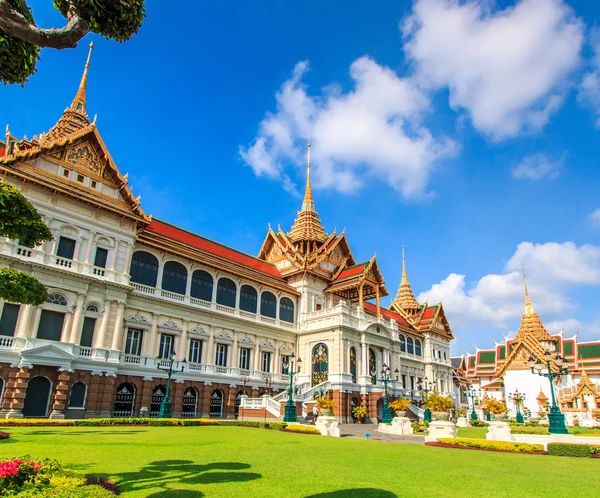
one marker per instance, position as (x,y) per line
(84,155)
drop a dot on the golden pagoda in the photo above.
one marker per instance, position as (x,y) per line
(531,325)
(405,300)
(307,228)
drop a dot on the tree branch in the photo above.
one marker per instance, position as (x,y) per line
(14,24)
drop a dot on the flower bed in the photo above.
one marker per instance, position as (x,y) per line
(484,444)
(25,477)
(4,435)
(301,429)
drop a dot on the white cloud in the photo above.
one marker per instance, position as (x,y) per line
(537,166)
(507,69)
(589,88)
(373,130)
(595,217)
(497,299)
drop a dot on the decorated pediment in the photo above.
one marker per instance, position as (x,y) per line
(84,155)
(48,355)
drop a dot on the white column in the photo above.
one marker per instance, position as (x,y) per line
(36,322)
(210,353)
(365,356)
(24,317)
(52,244)
(128,255)
(66,330)
(113,255)
(256,359)
(235,351)
(117,339)
(88,251)
(183,341)
(75,335)
(275,365)
(100,339)
(152,340)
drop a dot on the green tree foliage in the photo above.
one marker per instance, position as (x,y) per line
(21,39)
(19,220)
(17,57)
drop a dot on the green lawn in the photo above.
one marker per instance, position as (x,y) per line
(173,462)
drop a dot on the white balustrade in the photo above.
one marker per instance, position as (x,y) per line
(6,342)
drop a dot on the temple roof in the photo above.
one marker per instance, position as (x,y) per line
(365,275)
(307,227)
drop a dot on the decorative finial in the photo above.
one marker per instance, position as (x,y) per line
(308,203)
(528,306)
(95,119)
(79,102)
(404,277)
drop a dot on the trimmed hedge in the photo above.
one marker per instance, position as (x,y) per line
(301,429)
(484,444)
(573,450)
(478,423)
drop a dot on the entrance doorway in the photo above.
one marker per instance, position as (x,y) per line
(37,397)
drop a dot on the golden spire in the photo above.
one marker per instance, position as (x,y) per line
(531,325)
(405,299)
(307,225)
(79,102)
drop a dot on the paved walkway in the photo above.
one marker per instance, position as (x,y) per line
(358,431)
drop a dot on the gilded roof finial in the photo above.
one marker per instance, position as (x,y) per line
(528,306)
(308,204)
(405,298)
(404,277)
(79,102)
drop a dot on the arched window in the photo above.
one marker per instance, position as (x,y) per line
(202,285)
(77,396)
(144,268)
(57,299)
(1,389)
(268,304)
(353,364)
(124,400)
(158,394)
(410,345)
(248,298)
(286,310)
(320,364)
(92,308)
(373,366)
(418,351)
(174,277)
(402,343)
(216,404)
(226,291)
(190,403)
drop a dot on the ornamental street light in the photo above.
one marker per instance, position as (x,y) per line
(556,418)
(517,398)
(472,394)
(386,414)
(165,404)
(290,407)
(425,386)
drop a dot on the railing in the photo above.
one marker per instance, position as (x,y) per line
(310,394)
(98,271)
(131,359)
(419,412)
(6,342)
(172,295)
(23,251)
(84,351)
(146,289)
(247,314)
(225,309)
(265,402)
(200,302)
(272,406)
(196,367)
(67,263)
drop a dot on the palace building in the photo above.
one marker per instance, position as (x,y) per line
(127,291)
(502,370)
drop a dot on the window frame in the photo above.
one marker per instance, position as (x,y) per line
(130,340)
(221,353)
(166,341)
(245,356)
(105,251)
(195,350)
(266,361)
(65,248)
(267,305)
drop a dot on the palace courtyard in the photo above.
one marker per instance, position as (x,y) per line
(238,461)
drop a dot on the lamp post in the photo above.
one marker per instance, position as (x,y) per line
(426,387)
(472,394)
(556,418)
(386,414)
(165,404)
(290,407)
(245,379)
(517,398)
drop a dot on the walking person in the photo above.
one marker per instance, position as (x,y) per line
(315,413)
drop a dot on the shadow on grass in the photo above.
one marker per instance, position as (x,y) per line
(358,492)
(166,473)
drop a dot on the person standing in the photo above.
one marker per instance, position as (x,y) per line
(315,412)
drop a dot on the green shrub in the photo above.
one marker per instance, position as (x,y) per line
(16,422)
(530,430)
(301,429)
(277,425)
(192,422)
(161,422)
(420,426)
(573,450)
(478,423)
(492,445)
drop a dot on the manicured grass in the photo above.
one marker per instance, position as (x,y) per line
(480,432)
(171,462)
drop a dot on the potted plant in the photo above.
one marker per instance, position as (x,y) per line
(400,406)
(462,412)
(359,413)
(440,406)
(326,405)
(497,409)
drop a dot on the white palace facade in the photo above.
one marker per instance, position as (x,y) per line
(127,291)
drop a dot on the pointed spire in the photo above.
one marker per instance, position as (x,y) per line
(307,226)
(79,102)
(531,325)
(405,299)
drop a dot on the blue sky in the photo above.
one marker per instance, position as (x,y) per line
(465,131)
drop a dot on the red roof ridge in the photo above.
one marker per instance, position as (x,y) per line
(267,267)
